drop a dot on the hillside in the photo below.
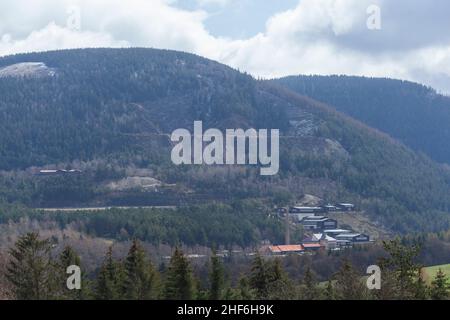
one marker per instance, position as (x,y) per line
(412,113)
(109,112)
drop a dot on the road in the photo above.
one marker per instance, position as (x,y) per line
(102,208)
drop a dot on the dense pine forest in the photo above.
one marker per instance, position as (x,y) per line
(107,111)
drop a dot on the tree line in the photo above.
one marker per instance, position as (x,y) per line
(33,272)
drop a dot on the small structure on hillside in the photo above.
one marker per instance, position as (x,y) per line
(346,206)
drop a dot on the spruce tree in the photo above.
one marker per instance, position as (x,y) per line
(216,278)
(140,275)
(110,279)
(309,286)
(69,257)
(31,270)
(401,262)
(279,286)
(439,287)
(389,286)
(421,289)
(259,277)
(329,292)
(179,284)
(245,291)
(349,285)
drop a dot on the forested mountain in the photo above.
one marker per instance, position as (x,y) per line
(409,112)
(118,106)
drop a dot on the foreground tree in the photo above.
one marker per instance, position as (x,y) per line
(140,281)
(308,288)
(31,271)
(216,278)
(244,291)
(268,280)
(280,287)
(110,279)
(5,285)
(389,286)
(439,287)
(401,262)
(179,283)
(259,277)
(329,292)
(421,288)
(67,258)
(349,285)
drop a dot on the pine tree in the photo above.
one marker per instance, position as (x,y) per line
(329,293)
(421,289)
(140,275)
(179,283)
(109,279)
(349,285)
(439,287)
(245,291)
(309,286)
(69,257)
(31,271)
(401,263)
(216,278)
(259,277)
(279,285)
(389,286)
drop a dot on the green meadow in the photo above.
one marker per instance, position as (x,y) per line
(430,272)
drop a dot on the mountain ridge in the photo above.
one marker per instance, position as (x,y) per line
(410,112)
(106,109)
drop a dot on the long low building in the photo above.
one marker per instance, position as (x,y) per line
(334,232)
(312,210)
(53,172)
(353,237)
(346,206)
(286,249)
(319,223)
(298,217)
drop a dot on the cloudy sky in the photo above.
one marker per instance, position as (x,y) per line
(270,38)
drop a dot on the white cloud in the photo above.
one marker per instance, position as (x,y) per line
(54,37)
(220,3)
(315,37)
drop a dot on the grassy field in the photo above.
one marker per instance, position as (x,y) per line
(430,272)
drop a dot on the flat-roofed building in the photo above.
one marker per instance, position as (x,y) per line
(334,232)
(346,206)
(298,209)
(353,237)
(312,246)
(319,223)
(286,249)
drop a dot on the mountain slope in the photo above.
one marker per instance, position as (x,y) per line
(116,108)
(410,112)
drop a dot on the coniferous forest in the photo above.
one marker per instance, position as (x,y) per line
(34,272)
(86,180)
